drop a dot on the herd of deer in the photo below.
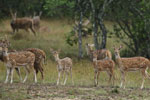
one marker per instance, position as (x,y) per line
(34,58)
(25,22)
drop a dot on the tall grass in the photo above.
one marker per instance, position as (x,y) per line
(52,35)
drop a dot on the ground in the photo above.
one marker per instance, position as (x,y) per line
(19,91)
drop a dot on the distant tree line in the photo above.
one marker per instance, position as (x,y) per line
(50,8)
(131,19)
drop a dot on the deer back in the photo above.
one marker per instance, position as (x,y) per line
(39,54)
(65,62)
(22,58)
(133,62)
(104,64)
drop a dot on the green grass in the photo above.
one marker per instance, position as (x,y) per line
(52,35)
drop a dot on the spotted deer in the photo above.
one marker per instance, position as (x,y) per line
(16,60)
(5,42)
(63,66)
(21,23)
(131,64)
(40,60)
(102,53)
(103,65)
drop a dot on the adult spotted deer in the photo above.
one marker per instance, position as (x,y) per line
(15,60)
(131,64)
(40,60)
(103,65)
(5,42)
(21,23)
(101,54)
(63,66)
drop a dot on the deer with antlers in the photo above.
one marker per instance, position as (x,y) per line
(103,65)
(21,23)
(102,53)
(131,64)
(63,66)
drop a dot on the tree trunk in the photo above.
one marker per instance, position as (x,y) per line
(95,25)
(104,33)
(80,35)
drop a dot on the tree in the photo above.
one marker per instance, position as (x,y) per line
(133,24)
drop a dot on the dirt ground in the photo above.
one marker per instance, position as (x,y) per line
(19,91)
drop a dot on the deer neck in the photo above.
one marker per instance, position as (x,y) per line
(5,57)
(57,59)
(118,60)
(95,61)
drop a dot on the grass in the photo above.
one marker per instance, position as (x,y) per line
(52,35)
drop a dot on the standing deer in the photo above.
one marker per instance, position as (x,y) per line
(63,65)
(7,44)
(103,65)
(36,21)
(102,53)
(21,23)
(131,64)
(40,60)
(15,60)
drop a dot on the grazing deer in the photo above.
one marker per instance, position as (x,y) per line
(63,65)
(103,65)
(102,53)
(36,21)
(131,64)
(21,23)
(15,60)
(40,60)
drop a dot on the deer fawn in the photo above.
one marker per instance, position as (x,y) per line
(103,65)
(21,23)
(131,64)
(15,60)
(63,65)
(102,53)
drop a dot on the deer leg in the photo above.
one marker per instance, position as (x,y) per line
(71,76)
(35,77)
(110,77)
(122,79)
(41,70)
(59,72)
(7,76)
(19,74)
(11,74)
(27,72)
(143,77)
(63,76)
(66,77)
(33,31)
(95,78)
